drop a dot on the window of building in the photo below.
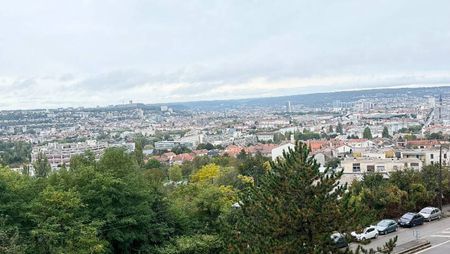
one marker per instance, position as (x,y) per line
(356,167)
(445,156)
(431,156)
(370,168)
(380,168)
(414,165)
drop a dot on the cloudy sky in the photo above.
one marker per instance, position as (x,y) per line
(86,53)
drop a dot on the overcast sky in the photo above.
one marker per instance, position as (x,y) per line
(87,53)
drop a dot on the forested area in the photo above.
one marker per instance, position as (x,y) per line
(221,204)
(14,153)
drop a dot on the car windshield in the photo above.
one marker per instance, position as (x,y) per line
(336,236)
(383,223)
(408,216)
(426,210)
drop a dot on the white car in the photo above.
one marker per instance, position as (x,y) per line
(431,213)
(368,233)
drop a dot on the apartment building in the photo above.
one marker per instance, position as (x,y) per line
(366,165)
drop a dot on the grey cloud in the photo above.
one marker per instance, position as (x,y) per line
(89,51)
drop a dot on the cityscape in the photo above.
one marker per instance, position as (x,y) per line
(210,127)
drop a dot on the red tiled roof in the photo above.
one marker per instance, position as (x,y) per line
(183,157)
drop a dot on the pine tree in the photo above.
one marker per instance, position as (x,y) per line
(41,166)
(294,209)
(330,128)
(139,154)
(385,133)
(367,133)
(339,128)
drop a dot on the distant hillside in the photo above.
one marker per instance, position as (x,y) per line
(316,99)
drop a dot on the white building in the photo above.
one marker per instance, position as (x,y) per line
(60,154)
(278,152)
(366,165)
(427,156)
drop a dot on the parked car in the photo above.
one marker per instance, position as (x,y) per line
(368,233)
(386,227)
(339,240)
(431,213)
(410,220)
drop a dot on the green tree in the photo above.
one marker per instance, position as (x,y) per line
(268,223)
(410,137)
(41,166)
(15,153)
(83,160)
(207,146)
(130,209)
(175,173)
(281,214)
(181,149)
(118,162)
(242,155)
(253,166)
(194,244)
(152,163)
(278,138)
(339,129)
(385,133)
(60,228)
(333,163)
(367,133)
(435,135)
(139,153)
(9,238)
(25,170)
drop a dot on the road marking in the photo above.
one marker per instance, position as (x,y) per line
(435,246)
(447,236)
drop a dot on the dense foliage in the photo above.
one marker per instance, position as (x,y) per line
(294,209)
(123,203)
(378,197)
(14,153)
(367,133)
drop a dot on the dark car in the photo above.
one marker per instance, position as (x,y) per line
(411,220)
(386,226)
(339,240)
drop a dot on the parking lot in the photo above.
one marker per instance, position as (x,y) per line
(437,232)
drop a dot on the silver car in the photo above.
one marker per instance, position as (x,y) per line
(431,213)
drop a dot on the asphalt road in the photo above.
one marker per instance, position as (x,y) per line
(437,232)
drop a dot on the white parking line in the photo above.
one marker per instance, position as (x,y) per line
(445,236)
(435,246)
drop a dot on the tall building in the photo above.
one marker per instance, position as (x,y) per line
(288,107)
